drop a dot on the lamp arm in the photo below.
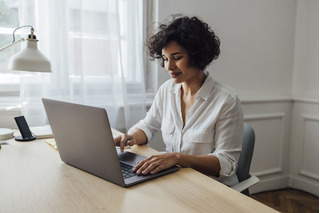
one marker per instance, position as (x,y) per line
(12,44)
(32,30)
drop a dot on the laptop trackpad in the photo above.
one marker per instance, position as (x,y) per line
(129,157)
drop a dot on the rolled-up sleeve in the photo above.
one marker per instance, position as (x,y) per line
(145,127)
(228,137)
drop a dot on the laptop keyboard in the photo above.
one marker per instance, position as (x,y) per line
(127,170)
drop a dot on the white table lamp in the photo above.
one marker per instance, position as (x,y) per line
(29,58)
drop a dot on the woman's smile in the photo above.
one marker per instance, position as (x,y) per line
(174,74)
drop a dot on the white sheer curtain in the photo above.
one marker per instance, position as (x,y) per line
(96,51)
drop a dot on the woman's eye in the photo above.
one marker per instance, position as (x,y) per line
(173,58)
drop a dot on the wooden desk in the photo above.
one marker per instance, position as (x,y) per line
(34,179)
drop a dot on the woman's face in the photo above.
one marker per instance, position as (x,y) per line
(176,62)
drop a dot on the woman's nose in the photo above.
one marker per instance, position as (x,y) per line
(171,65)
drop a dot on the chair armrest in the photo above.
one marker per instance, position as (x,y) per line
(246,183)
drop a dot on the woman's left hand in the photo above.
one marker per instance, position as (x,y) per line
(156,163)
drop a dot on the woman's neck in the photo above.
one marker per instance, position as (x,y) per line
(191,88)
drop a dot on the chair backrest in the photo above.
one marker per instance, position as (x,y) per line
(246,153)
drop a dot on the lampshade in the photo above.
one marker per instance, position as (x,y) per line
(30,59)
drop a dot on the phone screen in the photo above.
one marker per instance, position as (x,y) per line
(23,127)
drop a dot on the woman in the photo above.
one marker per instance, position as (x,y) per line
(201,119)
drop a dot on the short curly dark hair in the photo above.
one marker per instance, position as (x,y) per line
(195,36)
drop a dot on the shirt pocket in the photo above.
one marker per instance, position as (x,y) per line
(199,142)
(167,129)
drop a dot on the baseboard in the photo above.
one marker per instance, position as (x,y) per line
(275,183)
(268,184)
(307,186)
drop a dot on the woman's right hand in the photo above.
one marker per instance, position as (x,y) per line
(124,140)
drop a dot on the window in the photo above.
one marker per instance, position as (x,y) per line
(92,37)
(92,29)
(85,38)
(9,82)
(9,19)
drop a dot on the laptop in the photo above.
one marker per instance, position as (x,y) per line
(84,140)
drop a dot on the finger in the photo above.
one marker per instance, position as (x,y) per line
(157,169)
(117,140)
(123,142)
(143,164)
(139,165)
(143,167)
(147,167)
(150,168)
(131,142)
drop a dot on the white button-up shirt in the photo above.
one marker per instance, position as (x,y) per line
(214,123)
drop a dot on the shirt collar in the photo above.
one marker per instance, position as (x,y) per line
(206,88)
(204,91)
(176,89)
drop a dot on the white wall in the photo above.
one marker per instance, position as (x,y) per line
(304,149)
(306,58)
(257,41)
(269,55)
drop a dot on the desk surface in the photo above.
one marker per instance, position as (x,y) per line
(34,179)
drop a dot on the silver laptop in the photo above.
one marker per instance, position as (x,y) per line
(84,140)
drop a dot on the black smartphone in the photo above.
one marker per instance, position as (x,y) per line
(26,134)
